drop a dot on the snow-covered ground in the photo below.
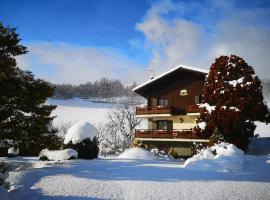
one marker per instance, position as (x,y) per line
(136,179)
(131,178)
(80,110)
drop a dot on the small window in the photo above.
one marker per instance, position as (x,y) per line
(162,102)
(183,92)
(198,99)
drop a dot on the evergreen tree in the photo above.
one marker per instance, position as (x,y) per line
(24,116)
(233,100)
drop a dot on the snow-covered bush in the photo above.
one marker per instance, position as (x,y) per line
(137,153)
(13,151)
(161,154)
(119,132)
(197,147)
(82,138)
(233,100)
(221,157)
(58,155)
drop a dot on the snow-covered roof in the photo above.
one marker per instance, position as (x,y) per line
(196,69)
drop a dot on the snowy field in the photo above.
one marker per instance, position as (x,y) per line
(135,179)
(80,110)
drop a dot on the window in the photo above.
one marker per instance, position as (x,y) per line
(198,99)
(183,92)
(162,102)
(164,125)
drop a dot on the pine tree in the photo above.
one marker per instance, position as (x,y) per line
(24,116)
(233,100)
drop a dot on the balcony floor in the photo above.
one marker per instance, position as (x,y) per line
(172,139)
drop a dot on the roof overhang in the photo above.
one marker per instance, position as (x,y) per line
(168,74)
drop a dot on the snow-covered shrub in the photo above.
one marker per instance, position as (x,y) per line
(161,154)
(137,153)
(197,147)
(119,132)
(82,138)
(7,148)
(233,100)
(13,151)
(58,155)
(221,157)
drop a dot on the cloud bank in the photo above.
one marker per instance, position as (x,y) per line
(65,63)
(196,32)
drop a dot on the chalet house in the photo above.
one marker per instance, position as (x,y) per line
(172,109)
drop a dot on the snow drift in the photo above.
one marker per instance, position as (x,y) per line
(80,131)
(58,155)
(222,157)
(137,153)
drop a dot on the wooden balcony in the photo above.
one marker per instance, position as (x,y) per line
(168,134)
(192,109)
(148,110)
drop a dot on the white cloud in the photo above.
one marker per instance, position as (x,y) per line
(195,33)
(65,63)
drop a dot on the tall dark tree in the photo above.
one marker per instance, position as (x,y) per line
(24,116)
(233,100)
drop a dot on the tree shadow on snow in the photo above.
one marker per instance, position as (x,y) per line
(135,170)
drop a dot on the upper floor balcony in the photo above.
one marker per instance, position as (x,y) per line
(148,110)
(151,110)
(192,108)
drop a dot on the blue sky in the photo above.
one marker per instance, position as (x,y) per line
(77,41)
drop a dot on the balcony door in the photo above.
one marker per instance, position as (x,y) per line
(164,125)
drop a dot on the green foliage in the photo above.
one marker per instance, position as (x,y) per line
(216,138)
(24,117)
(87,149)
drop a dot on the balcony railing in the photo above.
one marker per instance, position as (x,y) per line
(154,110)
(170,134)
(193,109)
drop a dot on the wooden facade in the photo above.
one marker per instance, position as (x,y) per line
(172,109)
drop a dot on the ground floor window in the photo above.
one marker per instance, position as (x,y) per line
(164,125)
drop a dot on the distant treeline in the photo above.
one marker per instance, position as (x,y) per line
(103,88)
(110,88)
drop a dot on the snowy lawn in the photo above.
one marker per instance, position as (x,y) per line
(136,179)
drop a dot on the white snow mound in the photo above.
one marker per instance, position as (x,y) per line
(58,155)
(222,157)
(13,151)
(80,131)
(137,153)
